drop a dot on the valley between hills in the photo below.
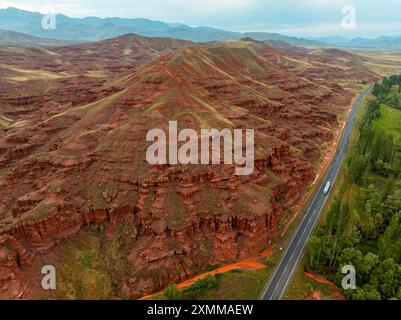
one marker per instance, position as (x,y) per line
(77,193)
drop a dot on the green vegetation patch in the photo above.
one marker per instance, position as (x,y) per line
(93,267)
(390,121)
(233,285)
(362,225)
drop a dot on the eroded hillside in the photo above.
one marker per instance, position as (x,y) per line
(73,175)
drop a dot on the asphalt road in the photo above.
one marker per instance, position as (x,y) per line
(278,282)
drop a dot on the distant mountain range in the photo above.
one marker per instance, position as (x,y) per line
(380,42)
(12,38)
(94,29)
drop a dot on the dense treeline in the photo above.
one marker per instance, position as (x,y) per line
(383,91)
(374,149)
(363,225)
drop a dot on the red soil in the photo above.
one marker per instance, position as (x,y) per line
(72,151)
(320,279)
(250,265)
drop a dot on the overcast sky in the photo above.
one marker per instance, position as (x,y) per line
(291,17)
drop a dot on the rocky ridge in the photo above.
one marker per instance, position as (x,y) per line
(73,156)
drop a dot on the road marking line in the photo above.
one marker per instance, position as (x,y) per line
(343,143)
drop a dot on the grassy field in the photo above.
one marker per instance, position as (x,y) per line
(390,120)
(238,285)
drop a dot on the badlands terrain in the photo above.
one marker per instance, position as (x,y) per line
(77,193)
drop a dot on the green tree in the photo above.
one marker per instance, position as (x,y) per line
(368,292)
(171,292)
(351,256)
(358,164)
(392,204)
(332,219)
(383,168)
(386,278)
(313,253)
(390,243)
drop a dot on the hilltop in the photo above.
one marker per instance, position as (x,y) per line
(74,175)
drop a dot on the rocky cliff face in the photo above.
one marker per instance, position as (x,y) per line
(74,157)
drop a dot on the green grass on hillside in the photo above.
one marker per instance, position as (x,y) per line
(93,266)
(389,121)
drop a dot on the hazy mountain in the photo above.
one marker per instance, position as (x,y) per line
(12,38)
(94,29)
(333,40)
(264,36)
(381,42)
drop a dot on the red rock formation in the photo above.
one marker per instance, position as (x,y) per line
(76,156)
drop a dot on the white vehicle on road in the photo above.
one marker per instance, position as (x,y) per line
(327,187)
